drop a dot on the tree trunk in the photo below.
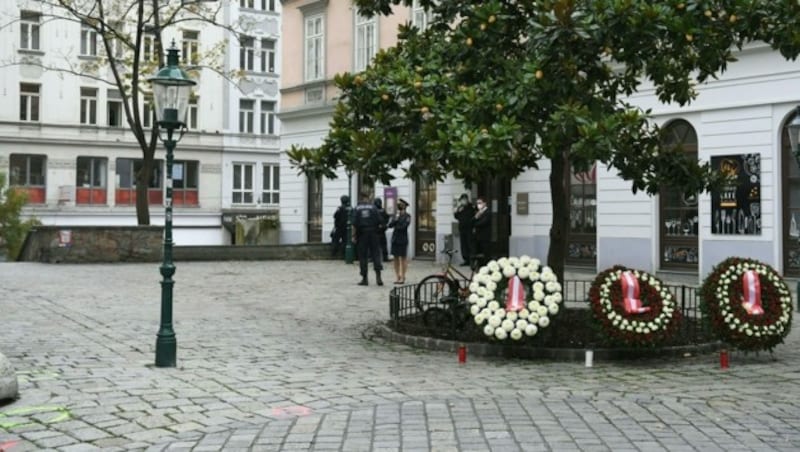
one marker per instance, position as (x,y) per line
(143,177)
(559,197)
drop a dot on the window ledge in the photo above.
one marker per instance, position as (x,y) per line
(36,52)
(88,57)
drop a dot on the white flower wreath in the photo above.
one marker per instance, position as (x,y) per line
(542,297)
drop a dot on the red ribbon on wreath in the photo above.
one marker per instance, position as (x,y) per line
(630,294)
(515,298)
(751,291)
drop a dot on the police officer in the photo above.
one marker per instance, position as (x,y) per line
(366,222)
(382,229)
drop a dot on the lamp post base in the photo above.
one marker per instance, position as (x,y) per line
(166,351)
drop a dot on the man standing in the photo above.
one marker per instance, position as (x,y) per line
(366,221)
(464,214)
(382,229)
(338,235)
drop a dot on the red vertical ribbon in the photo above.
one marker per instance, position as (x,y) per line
(630,294)
(515,297)
(751,290)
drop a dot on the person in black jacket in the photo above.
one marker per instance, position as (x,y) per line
(464,213)
(382,229)
(482,232)
(366,222)
(338,235)
(400,224)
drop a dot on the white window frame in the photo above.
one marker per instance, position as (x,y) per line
(270,183)
(149,47)
(88,41)
(314,47)
(190,48)
(267,55)
(420,17)
(94,169)
(114,106)
(147,111)
(268,5)
(267,117)
(248,4)
(192,113)
(245,188)
(247,112)
(30,102)
(366,41)
(29,30)
(88,113)
(247,51)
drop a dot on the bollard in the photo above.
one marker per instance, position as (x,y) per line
(723,359)
(589,358)
(462,354)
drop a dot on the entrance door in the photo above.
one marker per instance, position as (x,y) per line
(314,224)
(791,206)
(497,192)
(425,229)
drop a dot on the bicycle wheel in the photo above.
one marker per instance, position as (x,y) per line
(439,318)
(432,289)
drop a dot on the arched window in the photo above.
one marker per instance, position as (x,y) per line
(791,206)
(679,221)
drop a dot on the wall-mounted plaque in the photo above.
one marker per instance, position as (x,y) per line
(522,203)
(736,206)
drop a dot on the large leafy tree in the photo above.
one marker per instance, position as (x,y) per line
(122,28)
(491,88)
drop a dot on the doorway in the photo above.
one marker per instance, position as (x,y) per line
(425,213)
(497,192)
(314,224)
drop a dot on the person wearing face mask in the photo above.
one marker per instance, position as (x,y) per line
(400,224)
(464,213)
(482,231)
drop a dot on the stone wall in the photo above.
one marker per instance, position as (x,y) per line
(84,244)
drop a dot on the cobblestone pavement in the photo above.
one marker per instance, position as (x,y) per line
(278,356)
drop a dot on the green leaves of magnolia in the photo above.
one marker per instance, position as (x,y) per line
(490,88)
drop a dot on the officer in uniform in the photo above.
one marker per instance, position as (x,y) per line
(366,224)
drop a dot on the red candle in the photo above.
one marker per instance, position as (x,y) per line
(723,359)
(462,354)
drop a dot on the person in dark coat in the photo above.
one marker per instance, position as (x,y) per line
(482,231)
(366,223)
(400,224)
(382,229)
(338,235)
(464,213)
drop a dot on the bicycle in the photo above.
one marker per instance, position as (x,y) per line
(442,297)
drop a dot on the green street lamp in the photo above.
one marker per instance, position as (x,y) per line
(794,138)
(171,90)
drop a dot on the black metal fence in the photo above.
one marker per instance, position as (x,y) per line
(413,309)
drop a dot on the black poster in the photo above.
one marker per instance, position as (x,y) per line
(736,207)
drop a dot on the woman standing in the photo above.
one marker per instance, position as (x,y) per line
(482,231)
(400,224)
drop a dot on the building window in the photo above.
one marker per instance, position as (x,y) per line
(126,182)
(147,111)
(185,183)
(116,44)
(88,41)
(247,4)
(29,102)
(28,175)
(420,17)
(268,5)
(114,107)
(29,30)
(191,119)
(267,55)
(90,181)
(366,41)
(190,47)
(314,37)
(242,183)
(270,186)
(582,231)
(89,106)
(149,47)
(246,113)
(267,117)
(678,212)
(246,53)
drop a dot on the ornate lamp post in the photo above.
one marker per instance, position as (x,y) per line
(171,90)
(794,139)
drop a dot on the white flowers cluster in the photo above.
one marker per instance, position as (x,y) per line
(660,322)
(543,298)
(727,280)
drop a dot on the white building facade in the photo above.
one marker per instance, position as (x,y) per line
(64,138)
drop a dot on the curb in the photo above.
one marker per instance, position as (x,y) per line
(557,354)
